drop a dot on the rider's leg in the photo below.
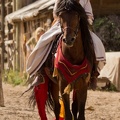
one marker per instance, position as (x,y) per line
(41,97)
(94,75)
(99,51)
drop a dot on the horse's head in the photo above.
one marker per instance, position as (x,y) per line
(69,14)
(74,24)
(69,21)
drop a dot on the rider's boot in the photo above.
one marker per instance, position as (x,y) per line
(94,75)
(41,97)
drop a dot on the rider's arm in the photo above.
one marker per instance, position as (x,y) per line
(89,12)
(30,42)
(88,9)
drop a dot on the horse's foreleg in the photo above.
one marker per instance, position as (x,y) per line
(81,98)
(74,106)
(66,101)
(65,97)
(57,110)
(55,96)
(81,110)
(78,105)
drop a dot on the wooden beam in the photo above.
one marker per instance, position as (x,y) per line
(105,7)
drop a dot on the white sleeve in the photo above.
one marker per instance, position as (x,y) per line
(87,6)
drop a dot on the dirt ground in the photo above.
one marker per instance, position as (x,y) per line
(100,105)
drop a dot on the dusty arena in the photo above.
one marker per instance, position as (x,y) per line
(101,105)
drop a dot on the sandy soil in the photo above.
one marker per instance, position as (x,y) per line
(100,105)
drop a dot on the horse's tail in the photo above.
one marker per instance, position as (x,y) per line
(30,90)
(50,102)
(41,95)
(32,100)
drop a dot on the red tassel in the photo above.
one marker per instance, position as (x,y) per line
(60,118)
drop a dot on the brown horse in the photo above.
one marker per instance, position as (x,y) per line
(74,59)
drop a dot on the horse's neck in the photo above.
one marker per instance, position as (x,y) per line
(74,54)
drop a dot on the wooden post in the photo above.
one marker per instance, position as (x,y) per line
(3,51)
(1,88)
(14,37)
(18,6)
(9,26)
(17,47)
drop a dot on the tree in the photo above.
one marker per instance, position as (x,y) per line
(2,51)
(1,89)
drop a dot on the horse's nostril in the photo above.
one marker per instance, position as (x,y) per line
(63,39)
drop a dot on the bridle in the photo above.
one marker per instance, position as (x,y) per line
(75,31)
(68,27)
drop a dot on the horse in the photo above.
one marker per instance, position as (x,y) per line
(73,64)
(73,61)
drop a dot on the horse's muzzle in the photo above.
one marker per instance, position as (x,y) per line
(69,41)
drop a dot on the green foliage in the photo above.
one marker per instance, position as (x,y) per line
(108,29)
(14,77)
(112,88)
(99,22)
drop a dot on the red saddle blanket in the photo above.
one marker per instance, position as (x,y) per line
(70,72)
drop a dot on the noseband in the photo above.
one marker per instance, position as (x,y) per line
(75,31)
(68,27)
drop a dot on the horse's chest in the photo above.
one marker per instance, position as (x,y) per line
(70,72)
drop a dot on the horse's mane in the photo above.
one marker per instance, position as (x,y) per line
(72,5)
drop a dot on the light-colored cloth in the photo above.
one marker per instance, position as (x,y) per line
(98,47)
(44,45)
(41,51)
(112,68)
(87,7)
